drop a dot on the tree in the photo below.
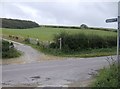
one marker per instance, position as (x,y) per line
(18,24)
(83,26)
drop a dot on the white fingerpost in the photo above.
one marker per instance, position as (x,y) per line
(118,35)
(60,43)
(118,30)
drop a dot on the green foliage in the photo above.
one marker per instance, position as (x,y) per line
(84,26)
(81,53)
(17,24)
(53,45)
(108,77)
(47,34)
(5,46)
(76,42)
(8,52)
(75,27)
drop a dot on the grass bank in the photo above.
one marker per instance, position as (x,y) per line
(9,52)
(108,77)
(12,53)
(81,53)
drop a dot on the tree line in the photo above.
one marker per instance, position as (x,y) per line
(18,24)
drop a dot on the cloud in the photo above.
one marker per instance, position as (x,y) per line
(62,12)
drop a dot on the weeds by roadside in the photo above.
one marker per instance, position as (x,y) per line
(108,77)
(8,51)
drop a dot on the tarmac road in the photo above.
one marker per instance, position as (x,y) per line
(51,73)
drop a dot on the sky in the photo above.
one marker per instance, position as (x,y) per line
(62,12)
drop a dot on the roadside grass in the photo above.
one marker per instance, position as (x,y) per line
(7,51)
(12,53)
(82,53)
(108,77)
(47,33)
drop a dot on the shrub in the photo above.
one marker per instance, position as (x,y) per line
(8,52)
(27,40)
(76,42)
(108,77)
(52,45)
(5,46)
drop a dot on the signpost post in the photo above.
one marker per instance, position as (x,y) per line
(60,43)
(118,36)
(118,31)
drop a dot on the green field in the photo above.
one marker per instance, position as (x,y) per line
(47,33)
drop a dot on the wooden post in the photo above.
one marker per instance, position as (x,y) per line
(60,43)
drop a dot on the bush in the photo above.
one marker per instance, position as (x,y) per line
(27,40)
(8,52)
(52,45)
(5,46)
(108,77)
(76,42)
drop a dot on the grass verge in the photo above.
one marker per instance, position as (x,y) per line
(8,50)
(108,77)
(12,53)
(82,53)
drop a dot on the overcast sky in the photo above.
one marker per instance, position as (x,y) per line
(61,12)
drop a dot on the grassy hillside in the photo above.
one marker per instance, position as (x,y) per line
(47,33)
(18,24)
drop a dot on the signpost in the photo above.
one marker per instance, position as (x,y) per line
(118,37)
(118,31)
(111,20)
(60,43)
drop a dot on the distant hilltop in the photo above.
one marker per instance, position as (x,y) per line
(18,24)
